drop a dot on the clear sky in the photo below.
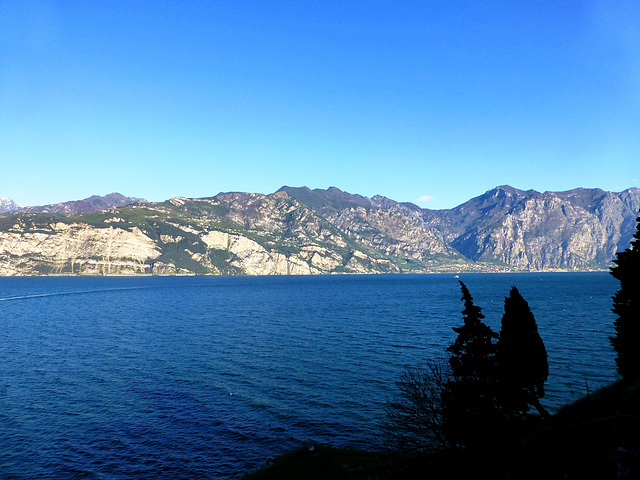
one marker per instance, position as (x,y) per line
(432,102)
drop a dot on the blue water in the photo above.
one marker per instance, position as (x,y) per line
(207,377)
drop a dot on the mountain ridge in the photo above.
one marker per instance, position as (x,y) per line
(297,230)
(94,203)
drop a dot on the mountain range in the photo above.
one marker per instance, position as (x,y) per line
(297,230)
(94,203)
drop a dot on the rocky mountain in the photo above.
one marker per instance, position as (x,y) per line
(304,231)
(391,229)
(94,203)
(580,229)
(8,206)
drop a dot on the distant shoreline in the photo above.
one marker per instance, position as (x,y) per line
(146,275)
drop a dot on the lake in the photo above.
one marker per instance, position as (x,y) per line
(208,377)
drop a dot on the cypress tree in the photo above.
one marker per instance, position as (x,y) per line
(626,306)
(521,360)
(468,400)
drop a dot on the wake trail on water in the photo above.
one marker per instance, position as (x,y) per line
(30,296)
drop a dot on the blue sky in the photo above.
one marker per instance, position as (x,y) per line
(431,102)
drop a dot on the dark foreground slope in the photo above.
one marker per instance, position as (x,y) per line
(595,437)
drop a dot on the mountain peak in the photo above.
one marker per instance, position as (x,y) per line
(507,190)
(7,205)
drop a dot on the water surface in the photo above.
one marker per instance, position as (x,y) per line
(207,377)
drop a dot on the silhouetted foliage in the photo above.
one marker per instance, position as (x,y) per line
(468,400)
(521,361)
(478,399)
(626,305)
(414,418)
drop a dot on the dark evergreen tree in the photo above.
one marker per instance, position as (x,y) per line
(626,305)
(521,360)
(468,400)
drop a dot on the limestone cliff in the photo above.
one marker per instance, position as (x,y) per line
(28,248)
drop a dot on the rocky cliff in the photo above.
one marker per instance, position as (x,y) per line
(390,229)
(579,229)
(303,231)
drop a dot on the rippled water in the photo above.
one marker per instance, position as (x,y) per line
(207,377)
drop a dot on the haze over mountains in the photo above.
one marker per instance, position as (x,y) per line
(297,230)
(94,203)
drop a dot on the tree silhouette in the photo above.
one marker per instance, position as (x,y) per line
(521,360)
(468,400)
(626,305)
(414,417)
(484,397)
